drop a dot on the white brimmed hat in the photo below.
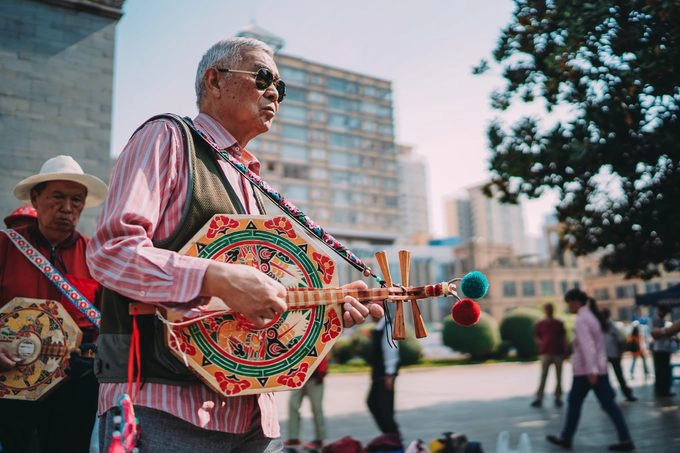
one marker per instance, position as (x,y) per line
(63,168)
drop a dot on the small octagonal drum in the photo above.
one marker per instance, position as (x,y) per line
(42,334)
(224,350)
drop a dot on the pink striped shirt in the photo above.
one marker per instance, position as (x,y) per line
(590,356)
(147,191)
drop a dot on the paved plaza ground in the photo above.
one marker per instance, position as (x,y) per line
(483,400)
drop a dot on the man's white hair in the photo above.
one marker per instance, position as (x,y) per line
(226,53)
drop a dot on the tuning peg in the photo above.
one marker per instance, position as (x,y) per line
(418,322)
(399,331)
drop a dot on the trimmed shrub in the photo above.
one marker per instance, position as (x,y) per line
(480,340)
(517,328)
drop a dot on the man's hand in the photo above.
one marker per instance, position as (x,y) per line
(246,290)
(7,360)
(354,311)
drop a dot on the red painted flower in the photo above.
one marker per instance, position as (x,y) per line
(326,266)
(220,224)
(181,344)
(295,377)
(282,226)
(332,327)
(230,385)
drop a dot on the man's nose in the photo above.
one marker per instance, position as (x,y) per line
(271,93)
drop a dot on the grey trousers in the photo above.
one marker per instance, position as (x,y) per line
(165,433)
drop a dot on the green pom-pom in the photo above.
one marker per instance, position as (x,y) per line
(474,285)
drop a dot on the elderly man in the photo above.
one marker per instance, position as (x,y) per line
(161,195)
(63,419)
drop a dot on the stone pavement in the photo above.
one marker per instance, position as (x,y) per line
(483,400)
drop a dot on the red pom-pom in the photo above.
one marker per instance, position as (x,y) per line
(466,312)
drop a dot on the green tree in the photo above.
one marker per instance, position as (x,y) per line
(606,76)
(517,328)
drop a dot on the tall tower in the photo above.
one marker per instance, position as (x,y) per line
(56,78)
(413,199)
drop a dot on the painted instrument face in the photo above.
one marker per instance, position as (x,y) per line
(42,335)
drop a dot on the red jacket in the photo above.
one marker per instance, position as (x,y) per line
(20,278)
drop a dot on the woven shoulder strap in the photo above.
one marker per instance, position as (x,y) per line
(53,275)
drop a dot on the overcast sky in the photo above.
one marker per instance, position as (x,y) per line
(426,47)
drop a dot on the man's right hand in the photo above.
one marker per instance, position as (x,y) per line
(246,290)
(7,360)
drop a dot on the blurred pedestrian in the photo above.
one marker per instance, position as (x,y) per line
(661,352)
(551,338)
(589,363)
(313,390)
(614,344)
(384,369)
(25,215)
(635,343)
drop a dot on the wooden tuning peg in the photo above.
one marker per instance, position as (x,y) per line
(405,265)
(399,331)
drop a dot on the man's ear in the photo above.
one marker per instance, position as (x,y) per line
(34,199)
(211,81)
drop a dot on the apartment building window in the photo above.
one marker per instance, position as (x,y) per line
(601,294)
(564,285)
(528,288)
(295,94)
(293,112)
(317,173)
(291,75)
(290,151)
(295,171)
(509,289)
(342,86)
(319,154)
(315,96)
(625,292)
(348,105)
(652,287)
(547,287)
(297,192)
(294,132)
(624,314)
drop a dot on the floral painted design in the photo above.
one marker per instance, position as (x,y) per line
(332,327)
(282,226)
(220,225)
(326,266)
(179,342)
(230,385)
(295,377)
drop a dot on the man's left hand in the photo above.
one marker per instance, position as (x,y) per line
(354,311)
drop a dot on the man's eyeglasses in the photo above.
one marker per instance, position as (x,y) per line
(263,79)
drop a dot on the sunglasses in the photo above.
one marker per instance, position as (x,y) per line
(264,78)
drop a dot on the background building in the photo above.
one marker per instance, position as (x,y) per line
(413,198)
(56,75)
(331,150)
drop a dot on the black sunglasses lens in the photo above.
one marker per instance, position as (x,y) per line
(263,79)
(281,88)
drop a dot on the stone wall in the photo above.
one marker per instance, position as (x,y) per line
(56,77)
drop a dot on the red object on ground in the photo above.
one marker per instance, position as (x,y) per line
(466,312)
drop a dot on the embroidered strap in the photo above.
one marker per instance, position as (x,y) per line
(52,273)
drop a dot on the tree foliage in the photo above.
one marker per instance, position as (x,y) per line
(607,76)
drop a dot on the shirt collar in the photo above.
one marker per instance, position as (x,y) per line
(224,141)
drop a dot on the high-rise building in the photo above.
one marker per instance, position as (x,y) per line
(486,220)
(413,199)
(331,150)
(56,74)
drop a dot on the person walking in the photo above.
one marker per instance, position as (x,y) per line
(636,345)
(661,352)
(384,369)
(613,344)
(313,390)
(551,338)
(589,363)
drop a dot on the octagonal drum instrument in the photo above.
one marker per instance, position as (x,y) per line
(42,335)
(222,348)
